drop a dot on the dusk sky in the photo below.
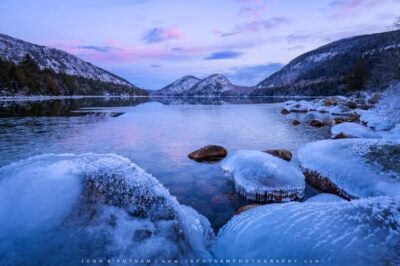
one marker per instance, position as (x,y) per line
(151,43)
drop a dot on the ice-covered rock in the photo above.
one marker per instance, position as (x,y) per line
(352,130)
(262,177)
(60,209)
(341,109)
(325,197)
(353,168)
(360,232)
(300,107)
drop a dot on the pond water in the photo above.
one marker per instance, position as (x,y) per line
(157,135)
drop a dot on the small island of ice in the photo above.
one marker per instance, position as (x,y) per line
(262,177)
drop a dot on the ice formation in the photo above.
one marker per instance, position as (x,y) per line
(353,168)
(359,232)
(262,177)
(352,130)
(325,197)
(59,209)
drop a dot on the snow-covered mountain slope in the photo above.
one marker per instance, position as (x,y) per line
(12,49)
(325,71)
(217,85)
(178,87)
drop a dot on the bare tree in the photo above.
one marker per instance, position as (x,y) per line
(396,24)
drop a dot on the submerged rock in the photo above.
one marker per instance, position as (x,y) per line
(92,206)
(209,153)
(265,178)
(353,168)
(359,232)
(283,154)
(352,130)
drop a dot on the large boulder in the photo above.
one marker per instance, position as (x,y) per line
(58,209)
(208,153)
(359,232)
(353,168)
(283,154)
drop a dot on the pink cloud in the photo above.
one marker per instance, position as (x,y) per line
(156,35)
(253,8)
(255,26)
(345,8)
(107,53)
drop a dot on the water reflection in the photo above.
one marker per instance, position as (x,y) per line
(157,134)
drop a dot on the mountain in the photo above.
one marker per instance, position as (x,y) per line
(214,85)
(361,62)
(178,87)
(91,78)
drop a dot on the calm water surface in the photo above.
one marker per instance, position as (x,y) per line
(157,135)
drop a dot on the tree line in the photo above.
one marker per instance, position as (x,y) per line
(26,78)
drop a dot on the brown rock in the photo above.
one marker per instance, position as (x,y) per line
(317,123)
(246,208)
(295,122)
(285,112)
(283,154)
(331,100)
(375,98)
(365,107)
(339,120)
(351,104)
(324,184)
(209,153)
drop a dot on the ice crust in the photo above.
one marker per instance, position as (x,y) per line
(352,130)
(263,177)
(59,209)
(345,163)
(360,232)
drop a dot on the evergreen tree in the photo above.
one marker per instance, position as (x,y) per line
(358,76)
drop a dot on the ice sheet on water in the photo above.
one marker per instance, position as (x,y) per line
(261,176)
(360,232)
(59,209)
(360,167)
(352,130)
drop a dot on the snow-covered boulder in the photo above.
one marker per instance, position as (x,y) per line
(59,209)
(300,107)
(262,177)
(353,168)
(341,109)
(352,130)
(325,197)
(360,232)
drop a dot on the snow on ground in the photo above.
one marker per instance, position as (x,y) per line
(263,177)
(352,130)
(359,167)
(59,209)
(360,232)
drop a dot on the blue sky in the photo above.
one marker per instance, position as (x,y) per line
(153,42)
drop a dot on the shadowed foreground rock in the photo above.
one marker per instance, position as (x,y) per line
(208,153)
(283,154)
